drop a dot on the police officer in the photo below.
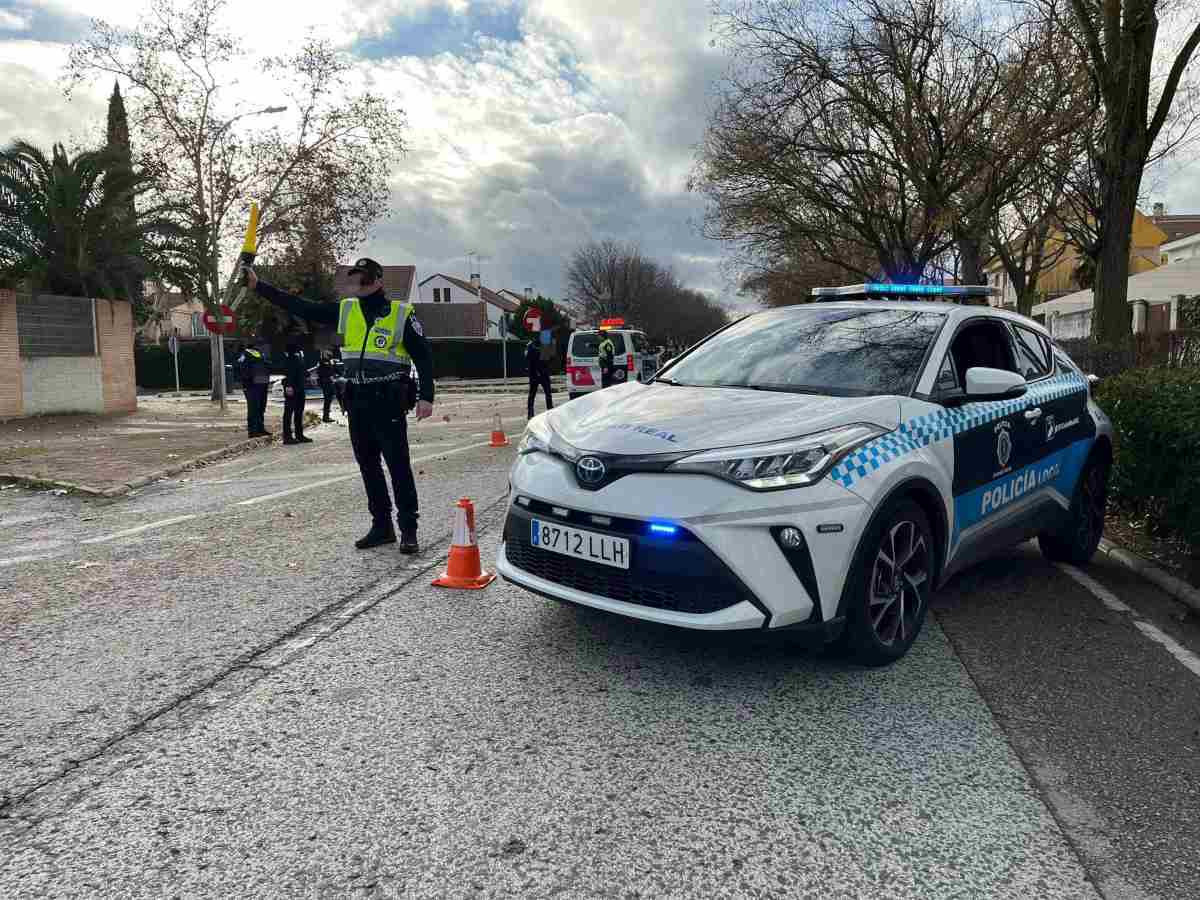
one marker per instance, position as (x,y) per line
(539,375)
(325,373)
(381,342)
(607,353)
(294,398)
(255,373)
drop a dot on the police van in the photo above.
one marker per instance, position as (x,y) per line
(820,468)
(632,356)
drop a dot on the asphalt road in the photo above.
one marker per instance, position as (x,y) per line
(205,691)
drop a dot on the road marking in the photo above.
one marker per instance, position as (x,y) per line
(1184,656)
(1189,660)
(316,484)
(1107,597)
(162,523)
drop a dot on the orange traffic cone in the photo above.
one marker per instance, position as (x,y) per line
(462,569)
(499,438)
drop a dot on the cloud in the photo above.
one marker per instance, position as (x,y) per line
(428,30)
(33,21)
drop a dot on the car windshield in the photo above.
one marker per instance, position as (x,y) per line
(817,350)
(587,343)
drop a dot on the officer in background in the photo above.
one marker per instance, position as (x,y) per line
(255,373)
(539,375)
(294,398)
(381,342)
(607,353)
(325,372)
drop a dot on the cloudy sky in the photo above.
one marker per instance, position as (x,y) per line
(534,125)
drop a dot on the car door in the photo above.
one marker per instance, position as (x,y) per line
(995,446)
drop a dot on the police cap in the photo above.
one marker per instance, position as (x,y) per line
(365,266)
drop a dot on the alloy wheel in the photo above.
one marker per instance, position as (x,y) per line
(902,566)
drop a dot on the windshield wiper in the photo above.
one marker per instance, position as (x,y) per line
(671,382)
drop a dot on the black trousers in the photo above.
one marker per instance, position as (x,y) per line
(606,376)
(542,381)
(256,407)
(293,413)
(327,390)
(379,434)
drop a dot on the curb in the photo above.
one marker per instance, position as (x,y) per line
(1176,587)
(141,480)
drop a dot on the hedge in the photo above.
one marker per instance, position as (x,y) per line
(1156,472)
(155,368)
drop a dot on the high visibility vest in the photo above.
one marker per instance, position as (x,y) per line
(606,350)
(384,342)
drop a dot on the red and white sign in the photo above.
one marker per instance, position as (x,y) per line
(533,319)
(224,322)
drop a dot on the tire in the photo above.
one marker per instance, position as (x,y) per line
(885,608)
(1076,543)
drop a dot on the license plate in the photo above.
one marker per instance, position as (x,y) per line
(597,548)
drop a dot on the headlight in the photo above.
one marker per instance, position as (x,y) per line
(782,464)
(536,438)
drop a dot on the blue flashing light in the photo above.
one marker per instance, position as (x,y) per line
(924,290)
(663,529)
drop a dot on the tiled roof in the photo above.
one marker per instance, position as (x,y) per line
(451,319)
(397,281)
(1177,227)
(488,294)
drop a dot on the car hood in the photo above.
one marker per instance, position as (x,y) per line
(660,418)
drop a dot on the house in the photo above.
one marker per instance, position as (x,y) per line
(174,313)
(1155,295)
(450,307)
(1178,250)
(1060,279)
(1175,227)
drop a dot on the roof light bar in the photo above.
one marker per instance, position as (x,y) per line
(878,289)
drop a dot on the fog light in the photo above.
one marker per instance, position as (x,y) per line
(791,538)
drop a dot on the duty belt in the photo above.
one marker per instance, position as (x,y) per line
(380,379)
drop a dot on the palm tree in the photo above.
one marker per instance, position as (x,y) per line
(71,225)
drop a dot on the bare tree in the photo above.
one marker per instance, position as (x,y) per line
(194,133)
(610,278)
(886,130)
(1118,40)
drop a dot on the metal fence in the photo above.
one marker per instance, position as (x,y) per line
(1169,348)
(50,325)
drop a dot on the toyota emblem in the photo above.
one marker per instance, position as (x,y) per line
(590,471)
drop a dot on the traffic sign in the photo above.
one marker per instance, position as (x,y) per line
(533,319)
(173,344)
(225,322)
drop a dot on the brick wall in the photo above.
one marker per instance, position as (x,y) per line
(114,334)
(10,359)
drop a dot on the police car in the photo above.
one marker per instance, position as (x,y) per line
(633,357)
(819,468)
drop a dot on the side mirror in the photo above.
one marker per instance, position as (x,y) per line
(1093,379)
(988,384)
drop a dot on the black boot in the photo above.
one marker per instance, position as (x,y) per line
(378,535)
(304,440)
(408,541)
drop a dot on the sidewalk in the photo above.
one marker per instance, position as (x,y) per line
(111,455)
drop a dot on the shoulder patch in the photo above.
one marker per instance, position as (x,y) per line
(416,325)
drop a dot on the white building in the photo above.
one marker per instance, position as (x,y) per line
(452,295)
(1181,249)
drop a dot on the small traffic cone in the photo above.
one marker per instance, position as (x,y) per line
(499,438)
(463,570)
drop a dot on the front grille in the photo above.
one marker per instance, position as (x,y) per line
(677,575)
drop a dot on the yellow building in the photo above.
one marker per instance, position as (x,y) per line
(1060,279)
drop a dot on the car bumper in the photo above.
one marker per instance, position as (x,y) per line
(732,571)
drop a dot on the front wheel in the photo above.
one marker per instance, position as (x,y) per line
(888,589)
(1076,543)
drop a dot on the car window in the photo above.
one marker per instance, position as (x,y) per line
(816,349)
(587,343)
(640,344)
(947,380)
(986,344)
(1032,359)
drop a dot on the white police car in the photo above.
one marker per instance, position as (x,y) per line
(819,468)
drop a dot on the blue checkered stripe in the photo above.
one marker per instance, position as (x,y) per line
(943,424)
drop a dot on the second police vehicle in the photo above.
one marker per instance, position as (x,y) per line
(819,468)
